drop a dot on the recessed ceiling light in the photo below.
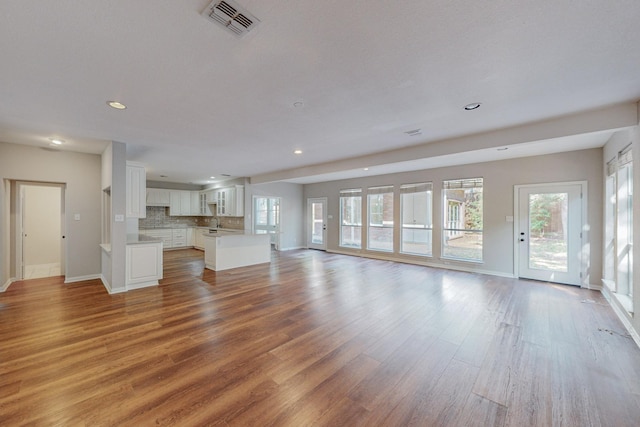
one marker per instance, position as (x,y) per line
(365,169)
(212,177)
(117,105)
(56,141)
(297,152)
(472,106)
(298,104)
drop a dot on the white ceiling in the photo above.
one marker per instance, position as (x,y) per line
(203,102)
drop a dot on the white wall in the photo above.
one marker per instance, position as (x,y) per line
(499,180)
(292,210)
(81,174)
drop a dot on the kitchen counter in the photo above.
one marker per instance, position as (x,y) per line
(135,238)
(231,249)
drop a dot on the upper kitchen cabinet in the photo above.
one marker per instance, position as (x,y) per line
(180,203)
(204,204)
(230,201)
(136,206)
(158,197)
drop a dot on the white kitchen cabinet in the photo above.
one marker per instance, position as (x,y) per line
(204,205)
(143,264)
(198,239)
(178,237)
(180,203)
(190,231)
(136,204)
(164,234)
(158,197)
(231,201)
(184,203)
(195,203)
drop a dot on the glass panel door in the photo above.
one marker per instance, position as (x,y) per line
(317,223)
(549,233)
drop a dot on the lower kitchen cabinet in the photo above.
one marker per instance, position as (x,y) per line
(143,264)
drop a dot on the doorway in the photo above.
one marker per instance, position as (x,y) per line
(266,218)
(548,227)
(40,230)
(317,223)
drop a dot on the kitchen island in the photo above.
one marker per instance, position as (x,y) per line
(224,249)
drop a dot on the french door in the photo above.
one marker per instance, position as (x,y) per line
(549,221)
(317,223)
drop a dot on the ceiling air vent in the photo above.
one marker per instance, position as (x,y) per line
(231,16)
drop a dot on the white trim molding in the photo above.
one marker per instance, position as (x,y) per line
(621,315)
(81,278)
(7,284)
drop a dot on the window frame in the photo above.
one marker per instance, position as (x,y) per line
(386,223)
(474,185)
(352,196)
(407,190)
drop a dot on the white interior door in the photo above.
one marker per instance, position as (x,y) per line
(549,232)
(317,223)
(42,231)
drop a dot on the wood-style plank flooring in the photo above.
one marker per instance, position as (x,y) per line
(314,339)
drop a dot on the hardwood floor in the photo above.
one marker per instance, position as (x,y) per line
(314,339)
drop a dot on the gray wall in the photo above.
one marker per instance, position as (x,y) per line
(499,180)
(292,210)
(82,175)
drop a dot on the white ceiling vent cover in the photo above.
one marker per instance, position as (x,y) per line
(231,16)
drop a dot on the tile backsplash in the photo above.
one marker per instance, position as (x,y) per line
(158,217)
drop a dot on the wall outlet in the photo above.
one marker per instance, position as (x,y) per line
(76,217)
(119,218)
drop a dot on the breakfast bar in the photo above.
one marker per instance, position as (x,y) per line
(225,250)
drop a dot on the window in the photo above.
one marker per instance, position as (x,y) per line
(380,231)
(417,227)
(351,218)
(462,229)
(266,215)
(618,251)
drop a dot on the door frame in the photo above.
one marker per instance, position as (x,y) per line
(309,226)
(584,234)
(19,203)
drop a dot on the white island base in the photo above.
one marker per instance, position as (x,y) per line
(223,251)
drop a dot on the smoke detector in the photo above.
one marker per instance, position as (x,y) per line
(231,16)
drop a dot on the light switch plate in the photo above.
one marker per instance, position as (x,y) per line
(119,218)
(76,217)
(508,218)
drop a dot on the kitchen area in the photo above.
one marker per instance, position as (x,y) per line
(211,220)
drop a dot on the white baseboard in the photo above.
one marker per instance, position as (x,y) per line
(292,248)
(592,287)
(81,278)
(142,285)
(455,267)
(110,290)
(7,284)
(619,311)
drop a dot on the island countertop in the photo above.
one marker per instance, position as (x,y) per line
(224,250)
